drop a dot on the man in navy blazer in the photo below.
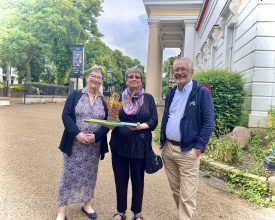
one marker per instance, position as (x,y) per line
(187,124)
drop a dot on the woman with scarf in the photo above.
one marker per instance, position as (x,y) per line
(128,145)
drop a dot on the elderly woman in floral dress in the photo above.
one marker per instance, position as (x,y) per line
(82,144)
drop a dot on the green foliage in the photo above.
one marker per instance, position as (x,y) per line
(165,88)
(261,142)
(252,190)
(97,53)
(271,117)
(166,70)
(18,87)
(207,173)
(228,95)
(2,86)
(224,150)
(260,145)
(48,29)
(166,65)
(157,134)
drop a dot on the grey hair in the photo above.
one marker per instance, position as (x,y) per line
(190,63)
(134,69)
(97,69)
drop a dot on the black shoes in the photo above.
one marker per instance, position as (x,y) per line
(91,215)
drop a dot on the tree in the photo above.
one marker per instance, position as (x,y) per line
(166,69)
(50,28)
(98,53)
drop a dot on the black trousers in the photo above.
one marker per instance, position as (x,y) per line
(123,169)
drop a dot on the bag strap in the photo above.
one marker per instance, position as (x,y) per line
(148,148)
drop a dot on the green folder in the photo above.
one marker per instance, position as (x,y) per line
(110,123)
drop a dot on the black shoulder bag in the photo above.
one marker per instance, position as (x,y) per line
(153,161)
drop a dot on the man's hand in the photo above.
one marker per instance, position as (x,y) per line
(197,152)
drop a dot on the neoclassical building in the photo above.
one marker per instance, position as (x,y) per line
(234,34)
(8,75)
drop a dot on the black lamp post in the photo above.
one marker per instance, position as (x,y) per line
(110,75)
(171,79)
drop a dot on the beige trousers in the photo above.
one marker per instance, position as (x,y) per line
(182,169)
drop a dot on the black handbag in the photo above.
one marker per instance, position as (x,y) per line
(153,162)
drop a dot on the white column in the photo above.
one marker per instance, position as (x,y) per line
(160,69)
(1,75)
(153,73)
(189,37)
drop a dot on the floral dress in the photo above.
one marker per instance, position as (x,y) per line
(78,179)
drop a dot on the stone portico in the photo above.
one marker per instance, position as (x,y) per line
(230,34)
(171,25)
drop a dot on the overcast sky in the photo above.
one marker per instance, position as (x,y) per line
(124,25)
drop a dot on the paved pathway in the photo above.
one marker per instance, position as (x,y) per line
(30,165)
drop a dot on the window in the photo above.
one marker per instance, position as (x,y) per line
(213,55)
(230,36)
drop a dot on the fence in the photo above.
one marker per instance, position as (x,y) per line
(35,88)
(3,90)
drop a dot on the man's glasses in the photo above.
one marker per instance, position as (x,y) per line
(134,76)
(177,70)
(96,77)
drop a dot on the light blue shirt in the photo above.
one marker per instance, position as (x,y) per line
(176,112)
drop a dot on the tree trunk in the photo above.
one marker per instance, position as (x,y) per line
(28,70)
(28,87)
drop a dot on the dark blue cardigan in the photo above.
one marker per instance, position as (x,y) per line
(71,129)
(197,123)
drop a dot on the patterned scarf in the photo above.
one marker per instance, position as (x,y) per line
(133,104)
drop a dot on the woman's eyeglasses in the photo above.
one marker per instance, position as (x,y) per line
(134,76)
(96,77)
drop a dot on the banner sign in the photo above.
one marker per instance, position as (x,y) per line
(78,58)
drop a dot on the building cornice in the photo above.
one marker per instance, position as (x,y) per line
(202,12)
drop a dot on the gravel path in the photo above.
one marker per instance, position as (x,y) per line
(30,165)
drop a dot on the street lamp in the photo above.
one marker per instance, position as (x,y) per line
(110,75)
(171,79)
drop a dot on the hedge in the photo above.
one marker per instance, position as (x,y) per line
(229,96)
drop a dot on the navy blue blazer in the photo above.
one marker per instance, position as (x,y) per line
(71,129)
(197,122)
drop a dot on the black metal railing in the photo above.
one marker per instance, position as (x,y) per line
(35,88)
(3,90)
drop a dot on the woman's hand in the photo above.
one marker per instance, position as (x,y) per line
(140,126)
(91,138)
(85,138)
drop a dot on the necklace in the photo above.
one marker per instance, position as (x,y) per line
(92,98)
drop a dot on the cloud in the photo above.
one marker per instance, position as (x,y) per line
(125,27)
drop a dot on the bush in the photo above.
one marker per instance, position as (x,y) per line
(18,87)
(224,150)
(252,190)
(157,134)
(2,86)
(228,95)
(261,142)
(271,117)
